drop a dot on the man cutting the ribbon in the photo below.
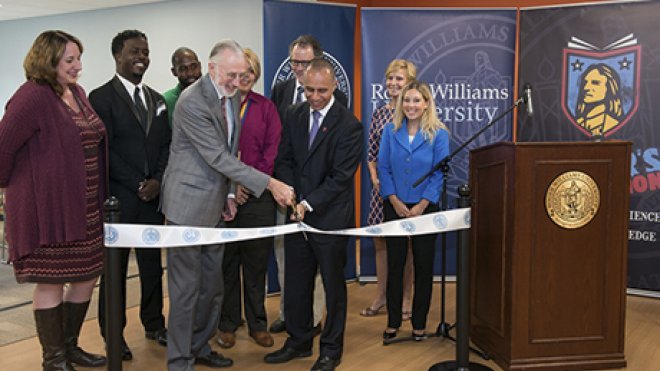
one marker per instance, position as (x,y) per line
(319,153)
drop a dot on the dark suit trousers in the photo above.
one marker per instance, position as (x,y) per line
(252,256)
(423,249)
(150,271)
(301,261)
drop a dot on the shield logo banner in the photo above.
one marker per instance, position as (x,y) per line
(600,87)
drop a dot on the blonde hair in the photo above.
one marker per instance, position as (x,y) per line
(402,64)
(41,61)
(430,122)
(253,61)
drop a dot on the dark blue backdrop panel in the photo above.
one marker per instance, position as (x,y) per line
(334,27)
(467,57)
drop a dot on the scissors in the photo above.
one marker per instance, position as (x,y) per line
(294,207)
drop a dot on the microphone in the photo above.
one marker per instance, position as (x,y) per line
(527,97)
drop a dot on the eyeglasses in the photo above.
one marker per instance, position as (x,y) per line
(297,63)
(236,75)
(246,76)
(230,75)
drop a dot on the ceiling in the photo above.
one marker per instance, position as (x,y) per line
(17,9)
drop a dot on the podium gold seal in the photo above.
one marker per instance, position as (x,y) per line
(572,199)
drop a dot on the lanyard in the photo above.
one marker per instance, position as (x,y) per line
(244,110)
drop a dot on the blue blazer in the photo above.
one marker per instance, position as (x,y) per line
(401,163)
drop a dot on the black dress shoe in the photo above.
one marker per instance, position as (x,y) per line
(159,336)
(277,326)
(215,360)
(325,363)
(126,353)
(286,354)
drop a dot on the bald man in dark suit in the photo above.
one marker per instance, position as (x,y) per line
(302,51)
(319,154)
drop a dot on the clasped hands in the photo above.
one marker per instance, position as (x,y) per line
(148,189)
(403,211)
(241,196)
(283,194)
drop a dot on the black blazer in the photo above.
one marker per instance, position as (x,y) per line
(323,175)
(282,96)
(132,143)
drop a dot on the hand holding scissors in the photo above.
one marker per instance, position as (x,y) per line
(298,214)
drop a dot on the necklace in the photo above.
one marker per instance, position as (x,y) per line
(84,115)
(70,100)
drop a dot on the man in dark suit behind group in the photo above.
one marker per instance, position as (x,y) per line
(135,117)
(319,153)
(302,51)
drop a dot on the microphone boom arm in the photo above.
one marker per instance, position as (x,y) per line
(444,163)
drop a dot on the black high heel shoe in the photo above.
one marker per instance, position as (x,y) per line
(419,337)
(389,335)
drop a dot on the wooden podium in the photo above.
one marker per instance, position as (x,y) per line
(545,294)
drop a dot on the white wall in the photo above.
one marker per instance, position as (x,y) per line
(197,24)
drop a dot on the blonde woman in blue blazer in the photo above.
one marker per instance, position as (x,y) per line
(410,146)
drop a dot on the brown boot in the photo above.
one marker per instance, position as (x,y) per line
(74,316)
(51,337)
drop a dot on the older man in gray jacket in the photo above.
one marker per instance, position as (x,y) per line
(196,183)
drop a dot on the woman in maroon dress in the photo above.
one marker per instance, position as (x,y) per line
(398,73)
(53,169)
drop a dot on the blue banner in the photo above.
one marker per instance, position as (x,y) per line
(467,57)
(580,58)
(334,27)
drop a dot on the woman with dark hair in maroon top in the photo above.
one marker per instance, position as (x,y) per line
(53,170)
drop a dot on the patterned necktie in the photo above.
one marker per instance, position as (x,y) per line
(139,106)
(316,116)
(299,96)
(223,109)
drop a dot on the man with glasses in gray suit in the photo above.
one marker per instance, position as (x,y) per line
(195,191)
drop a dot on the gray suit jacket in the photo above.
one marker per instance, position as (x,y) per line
(201,164)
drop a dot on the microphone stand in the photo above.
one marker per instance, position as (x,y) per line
(444,163)
(444,327)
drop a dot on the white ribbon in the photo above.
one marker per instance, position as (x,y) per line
(141,235)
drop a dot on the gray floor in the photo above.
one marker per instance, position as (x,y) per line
(16,320)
